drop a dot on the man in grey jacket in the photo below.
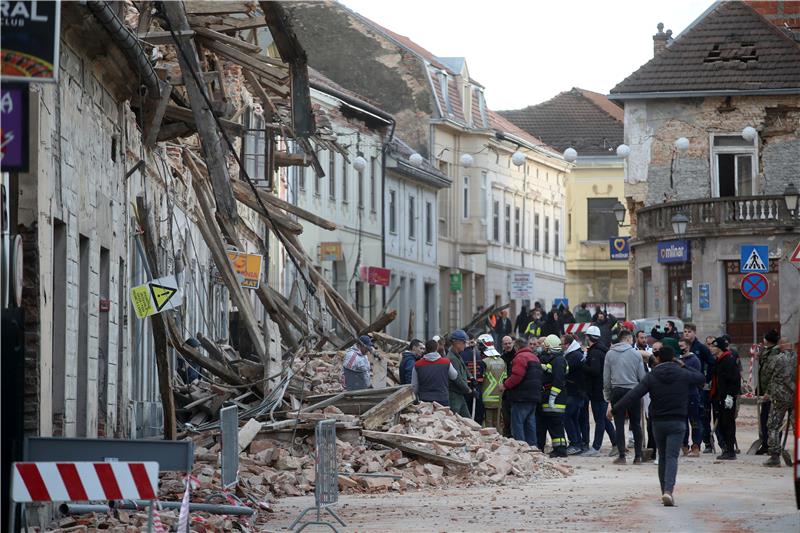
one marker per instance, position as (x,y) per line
(622,371)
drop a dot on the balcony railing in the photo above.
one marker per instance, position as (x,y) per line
(712,216)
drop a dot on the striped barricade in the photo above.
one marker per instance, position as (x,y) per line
(577,327)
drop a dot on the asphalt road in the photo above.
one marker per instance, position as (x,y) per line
(715,496)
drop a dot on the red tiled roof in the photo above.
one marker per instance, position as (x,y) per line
(731,48)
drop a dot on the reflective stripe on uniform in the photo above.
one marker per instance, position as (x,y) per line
(559,442)
(557,408)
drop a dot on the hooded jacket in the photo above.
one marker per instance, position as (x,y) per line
(524,384)
(623,368)
(576,382)
(593,370)
(667,385)
(727,380)
(690,360)
(406,366)
(552,326)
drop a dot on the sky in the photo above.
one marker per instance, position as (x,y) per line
(524,51)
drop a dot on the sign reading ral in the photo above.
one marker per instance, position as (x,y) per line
(29,40)
(676,251)
(155,296)
(704,291)
(520,285)
(619,248)
(753,258)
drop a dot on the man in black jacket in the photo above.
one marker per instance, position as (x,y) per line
(725,388)
(667,385)
(509,351)
(706,367)
(576,417)
(593,372)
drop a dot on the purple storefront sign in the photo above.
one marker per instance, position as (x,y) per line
(14,128)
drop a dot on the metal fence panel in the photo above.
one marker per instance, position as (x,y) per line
(229,431)
(326,488)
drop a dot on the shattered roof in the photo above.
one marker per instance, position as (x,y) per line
(584,120)
(731,48)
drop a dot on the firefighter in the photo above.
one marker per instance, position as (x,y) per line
(551,411)
(494,373)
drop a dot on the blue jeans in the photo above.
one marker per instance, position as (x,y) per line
(523,422)
(576,405)
(694,422)
(601,423)
(668,435)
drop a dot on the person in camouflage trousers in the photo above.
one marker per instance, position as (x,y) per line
(777,380)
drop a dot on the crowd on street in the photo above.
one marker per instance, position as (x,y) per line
(530,380)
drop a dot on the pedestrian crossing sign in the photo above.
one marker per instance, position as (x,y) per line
(754,258)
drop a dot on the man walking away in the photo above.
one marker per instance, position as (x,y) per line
(459,387)
(523,319)
(431,376)
(693,421)
(576,415)
(593,372)
(509,351)
(725,387)
(623,370)
(667,385)
(356,368)
(524,391)
(551,410)
(776,370)
(502,327)
(583,314)
(703,353)
(410,356)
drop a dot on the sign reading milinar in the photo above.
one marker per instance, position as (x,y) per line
(676,251)
(155,296)
(29,40)
(520,285)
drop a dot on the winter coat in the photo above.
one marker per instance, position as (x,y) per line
(593,370)
(605,326)
(666,384)
(576,382)
(690,360)
(583,315)
(554,381)
(524,384)
(459,386)
(406,366)
(355,370)
(523,319)
(552,326)
(623,368)
(707,360)
(503,327)
(431,377)
(727,380)
(776,375)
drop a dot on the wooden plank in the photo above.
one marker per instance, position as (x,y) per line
(217,7)
(213,146)
(160,38)
(184,114)
(378,415)
(154,114)
(196,357)
(418,451)
(266,104)
(241,189)
(211,347)
(227,39)
(244,194)
(413,438)
(274,74)
(285,159)
(157,325)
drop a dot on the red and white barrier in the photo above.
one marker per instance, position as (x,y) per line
(84,481)
(577,327)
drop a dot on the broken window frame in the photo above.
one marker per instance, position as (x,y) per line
(744,149)
(253,159)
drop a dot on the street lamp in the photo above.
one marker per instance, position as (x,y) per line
(682,144)
(749,133)
(415,159)
(359,163)
(518,158)
(791,196)
(570,154)
(619,213)
(623,151)
(466,160)
(679,223)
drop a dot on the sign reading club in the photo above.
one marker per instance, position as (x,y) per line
(676,251)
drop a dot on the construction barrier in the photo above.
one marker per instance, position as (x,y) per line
(577,327)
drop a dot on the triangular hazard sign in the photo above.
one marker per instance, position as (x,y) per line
(795,257)
(162,295)
(754,262)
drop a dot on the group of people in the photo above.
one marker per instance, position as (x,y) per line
(539,384)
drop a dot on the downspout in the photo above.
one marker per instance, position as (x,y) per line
(385,150)
(128,43)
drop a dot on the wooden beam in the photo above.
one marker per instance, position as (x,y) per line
(270,111)
(184,114)
(378,415)
(412,438)
(214,147)
(227,39)
(154,114)
(244,194)
(419,451)
(274,74)
(241,189)
(285,159)
(211,348)
(158,327)
(160,38)
(174,130)
(206,7)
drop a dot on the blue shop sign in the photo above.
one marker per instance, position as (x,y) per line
(676,251)
(619,248)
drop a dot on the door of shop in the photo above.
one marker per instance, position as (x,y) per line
(739,310)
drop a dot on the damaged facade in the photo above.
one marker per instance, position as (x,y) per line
(736,67)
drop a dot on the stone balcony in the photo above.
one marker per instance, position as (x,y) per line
(708,217)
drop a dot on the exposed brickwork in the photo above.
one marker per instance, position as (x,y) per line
(30,300)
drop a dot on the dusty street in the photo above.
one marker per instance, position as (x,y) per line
(710,496)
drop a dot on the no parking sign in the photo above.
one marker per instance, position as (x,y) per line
(754,286)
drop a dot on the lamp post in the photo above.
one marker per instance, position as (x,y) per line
(619,213)
(679,223)
(791,196)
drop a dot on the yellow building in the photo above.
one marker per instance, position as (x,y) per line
(591,125)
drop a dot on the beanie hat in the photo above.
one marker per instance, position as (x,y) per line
(459,335)
(721,343)
(552,342)
(772,336)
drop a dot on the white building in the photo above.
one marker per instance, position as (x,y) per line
(411,240)
(349,198)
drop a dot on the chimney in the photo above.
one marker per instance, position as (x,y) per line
(659,40)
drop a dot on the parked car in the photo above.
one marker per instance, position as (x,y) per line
(647,324)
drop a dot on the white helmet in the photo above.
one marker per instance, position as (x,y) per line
(486,345)
(594,331)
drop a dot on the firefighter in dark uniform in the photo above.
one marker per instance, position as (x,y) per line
(554,397)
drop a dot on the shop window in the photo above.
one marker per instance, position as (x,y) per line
(733,164)
(679,279)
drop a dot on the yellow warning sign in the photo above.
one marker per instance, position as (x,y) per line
(156,296)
